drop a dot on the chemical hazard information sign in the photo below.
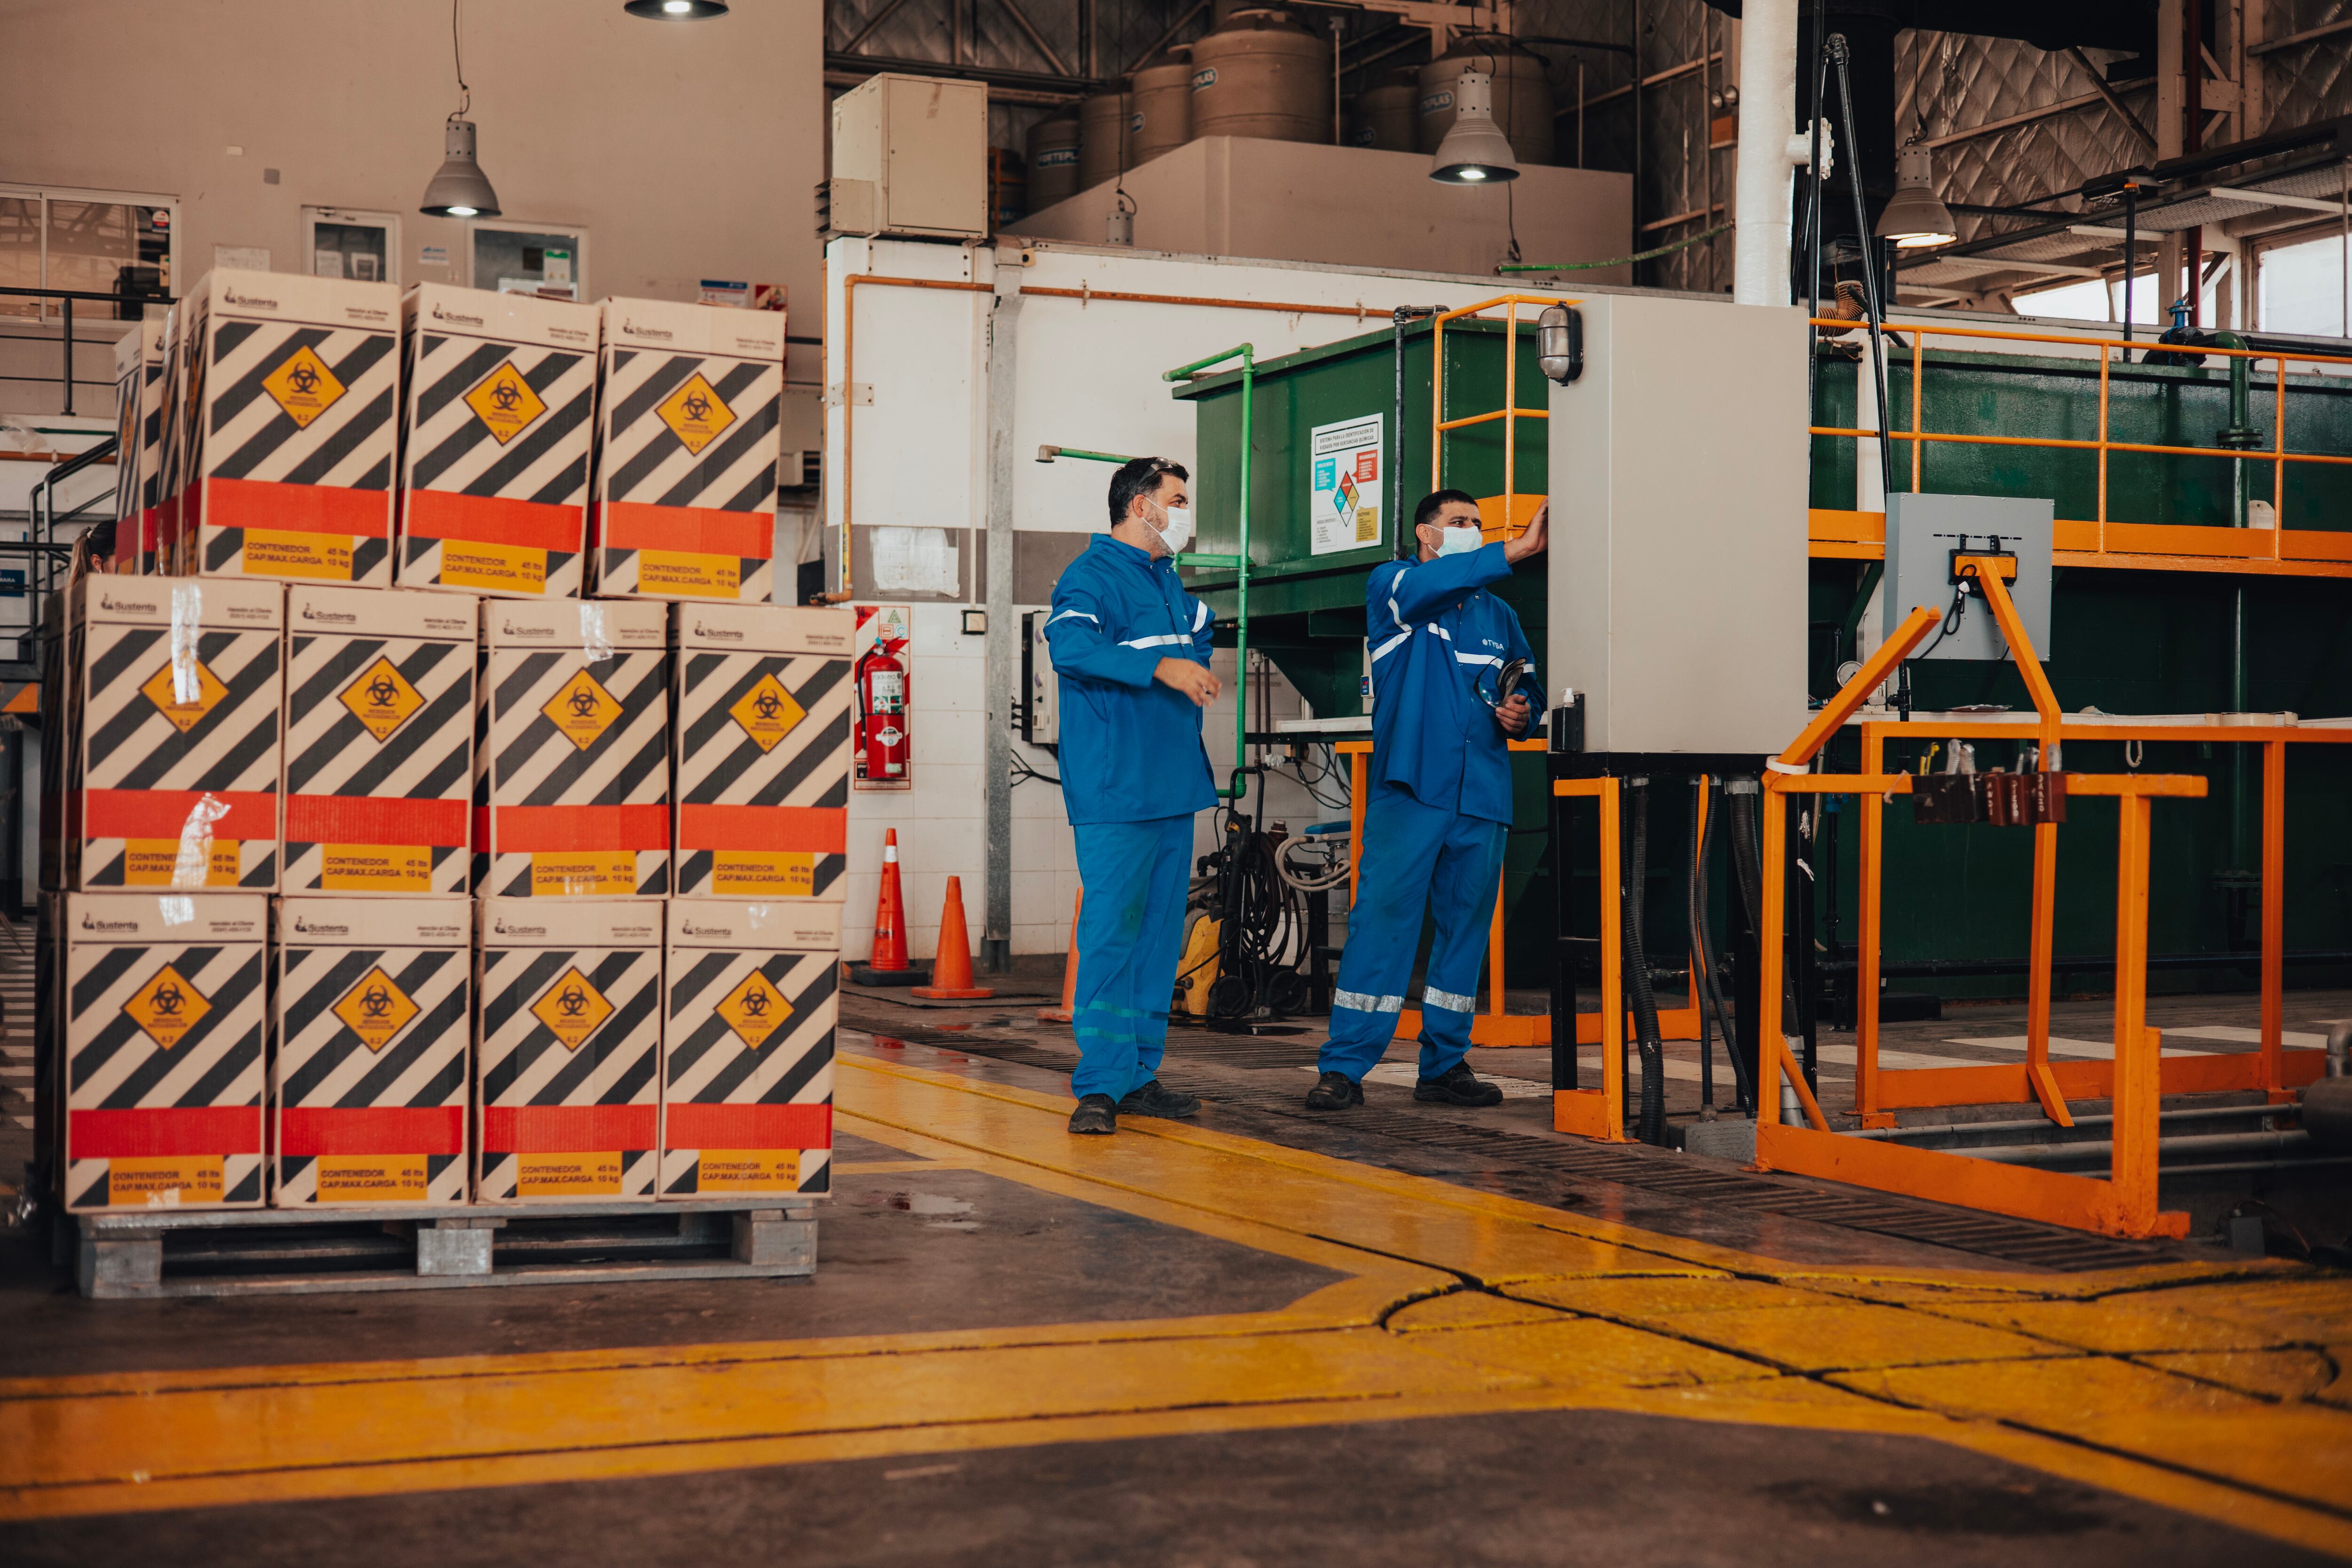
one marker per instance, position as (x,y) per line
(1347,463)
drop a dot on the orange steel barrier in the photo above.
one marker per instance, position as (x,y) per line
(2099,541)
(1600,1113)
(2123,1203)
(1508,522)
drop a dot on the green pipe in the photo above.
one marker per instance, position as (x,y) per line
(1048,454)
(1248,356)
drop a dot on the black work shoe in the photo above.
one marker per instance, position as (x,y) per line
(1155,1099)
(1335,1091)
(1095,1114)
(1460,1086)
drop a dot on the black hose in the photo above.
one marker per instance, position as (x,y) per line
(1652,1126)
(1702,934)
(1750,874)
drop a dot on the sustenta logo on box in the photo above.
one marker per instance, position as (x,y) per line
(308,927)
(90,922)
(249,301)
(651,334)
(716,634)
(458,318)
(332,617)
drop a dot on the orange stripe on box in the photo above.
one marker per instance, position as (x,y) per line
(297,508)
(355,820)
(530,829)
(750,1126)
(376,1130)
(698,530)
(494,519)
(816,829)
(184,1129)
(163,813)
(565,1129)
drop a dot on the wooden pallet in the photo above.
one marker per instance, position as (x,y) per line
(148,1253)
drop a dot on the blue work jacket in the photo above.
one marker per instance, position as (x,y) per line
(1130,747)
(1439,643)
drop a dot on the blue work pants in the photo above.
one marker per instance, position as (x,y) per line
(1414,858)
(1131,934)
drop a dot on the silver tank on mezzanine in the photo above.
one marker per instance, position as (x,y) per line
(1264,74)
(1052,162)
(1105,137)
(1162,117)
(1523,104)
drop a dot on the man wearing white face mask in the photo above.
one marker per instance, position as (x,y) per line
(1438,807)
(1131,651)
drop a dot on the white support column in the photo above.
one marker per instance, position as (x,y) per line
(1768,109)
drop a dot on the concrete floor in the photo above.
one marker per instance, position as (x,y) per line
(1402,1335)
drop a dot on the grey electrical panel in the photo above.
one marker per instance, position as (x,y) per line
(1922,531)
(1677,581)
(1040,691)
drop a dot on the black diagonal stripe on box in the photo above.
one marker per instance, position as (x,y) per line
(428,1033)
(442,712)
(281,428)
(225,544)
(468,367)
(684,988)
(562,489)
(132,650)
(232,399)
(760,489)
(528,671)
(361,429)
(825,752)
(719,1089)
(335,670)
(554,427)
(611,1043)
(722,455)
(709,708)
(660,381)
(507,990)
(317,991)
(131,1093)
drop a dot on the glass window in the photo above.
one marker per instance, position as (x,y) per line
(527,261)
(2082,301)
(344,243)
(2299,287)
(89,241)
(20,252)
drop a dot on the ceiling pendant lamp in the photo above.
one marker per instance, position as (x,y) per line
(459,188)
(676,10)
(1915,216)
(1476,150)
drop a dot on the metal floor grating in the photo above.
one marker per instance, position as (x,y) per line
(1283,1119)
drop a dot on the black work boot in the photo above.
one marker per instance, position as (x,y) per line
(1155,1099)
(1459,1085)
(1335,1091)
(1095,1114)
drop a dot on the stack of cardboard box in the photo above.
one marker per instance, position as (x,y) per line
(557,878)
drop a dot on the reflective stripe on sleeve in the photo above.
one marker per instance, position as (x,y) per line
(1166,639)
(1447,1001)
(1362,1002)
(1478,658)
(1388,646)
(1079,614)
(1199,615)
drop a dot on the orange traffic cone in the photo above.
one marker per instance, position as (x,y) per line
(888,966)
(1068,1010)
(952,968)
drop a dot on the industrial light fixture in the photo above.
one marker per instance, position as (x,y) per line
(1475,150)
(459,188)
(676,10)
(1916,216)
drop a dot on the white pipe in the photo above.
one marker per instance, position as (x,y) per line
(1761,192)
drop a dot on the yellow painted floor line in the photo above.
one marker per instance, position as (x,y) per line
(2207,1389)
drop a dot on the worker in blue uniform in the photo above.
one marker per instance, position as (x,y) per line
(1438,810)
(1130,648)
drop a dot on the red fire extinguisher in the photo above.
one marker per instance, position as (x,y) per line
(882,712)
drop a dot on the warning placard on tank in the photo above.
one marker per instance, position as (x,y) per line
(1345,464)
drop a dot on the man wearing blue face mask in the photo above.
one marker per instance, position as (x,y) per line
(1438,810)
(1131,652)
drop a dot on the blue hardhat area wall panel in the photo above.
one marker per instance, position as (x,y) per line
(1678,527)
(1922,531)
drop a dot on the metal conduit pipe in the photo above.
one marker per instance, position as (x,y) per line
(2042,1124)
(2327,1104)
(1652,1126)
(2277,1144)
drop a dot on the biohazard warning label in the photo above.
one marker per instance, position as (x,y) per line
(582,710)
(572,1009)
(505,404)
(767,712)
(163,1182)
(754,1010)
(568,1175)
(375,1009)
(166,1007)
(694,414)
(303,387)
(748,1171)
(163,692)
(381,699)
(372,1178)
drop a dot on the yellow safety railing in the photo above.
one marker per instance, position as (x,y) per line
(1508,526)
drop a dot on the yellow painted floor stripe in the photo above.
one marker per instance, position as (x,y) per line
(2198,1387)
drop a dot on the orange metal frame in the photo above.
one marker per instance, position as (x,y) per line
(2123,1203)
(2308,552)
(1511,517)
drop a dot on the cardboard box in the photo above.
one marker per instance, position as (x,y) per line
(139,390)
(127,368)
(687,449)
(572,767)
(497,420)
(763,699)
(163,1049)
(747,1048)
(295,385)
(370,1070)
(379,741)
(567,1073)
(174,733)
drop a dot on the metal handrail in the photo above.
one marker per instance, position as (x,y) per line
(70,296)
(43,505)
(1510,412)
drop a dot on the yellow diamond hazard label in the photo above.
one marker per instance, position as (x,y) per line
(505,403)
(767,712)
(696,413)
(381,699)
(166,1007)
(163,692)
(572,1009)
(582,710)
(755,1010)
(376,1009)
(303,387)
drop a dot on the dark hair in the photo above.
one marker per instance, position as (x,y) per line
(1139,476)
(1430,504)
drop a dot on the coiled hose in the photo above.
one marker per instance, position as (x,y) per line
(1651,1127)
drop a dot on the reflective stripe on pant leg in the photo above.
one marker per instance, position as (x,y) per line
(1114,868)
(1462,906)
(1402,837)
(1160,947)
